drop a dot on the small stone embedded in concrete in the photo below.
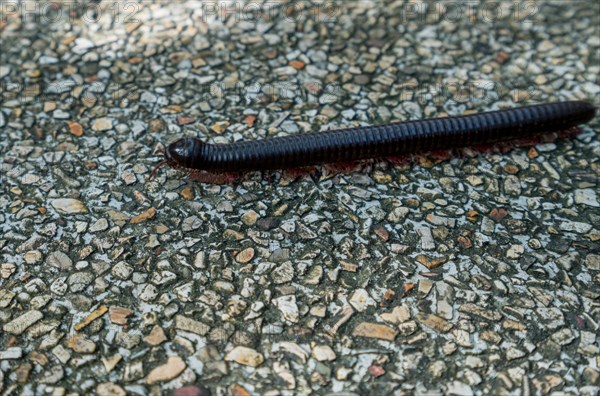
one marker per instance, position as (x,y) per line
(156,336)
(586,197)
(119,315)
(288,307)
(434,322)
(166,372)
(323,353)
(19,324)
(102,124)
(110,389)
(80,343)
(111,362)
(68,206)
(375,330)
(59,260)
(91,317)
(143,217)
(193,326)
(245,256)
(11,353)
(245,356)
(360,300)
(398,315)
(283,273)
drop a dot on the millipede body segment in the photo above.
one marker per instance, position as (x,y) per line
(358,143)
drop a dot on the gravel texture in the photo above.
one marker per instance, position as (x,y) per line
(465,273)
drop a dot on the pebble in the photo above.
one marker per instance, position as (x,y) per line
(191,325)
(156,336)
(11,353)
(66,206)
(360,300)
(60,114)
(110,389)
(102,124)
(143,217)
(398,315)
(459,389)
(166,372)
(575,226)
(245,256)
(430,262)
(323,353)
(515,251)
(122,270)
(245,356)
(398,215)
(586,197)
(288,308)
(99,225)
(4,71)
(434,322)
(283,273)
(375,330)
(21,323)
(512,186)
(427,242)
(119,315)
(80,343)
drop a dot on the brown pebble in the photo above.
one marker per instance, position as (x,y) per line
(498,214)
(172,109)
(465,242)
(156,125)
(382,233)
(389,295)
(192,390)
(375,330)
(75,128)
(472,215)
(245,256)
(376,370)
(172,368)
(511,169)
(143,217)
(532,153)
(182,120)
(298,65)
(119,315)
(431,263)
(220,127)
(22,372)
(238,390)
(80,343)
(156,336)
(249,120)
(187,193)
(101,310)
(502,57)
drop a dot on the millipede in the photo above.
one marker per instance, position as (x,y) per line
(358,143)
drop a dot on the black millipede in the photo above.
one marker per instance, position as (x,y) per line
(351,144)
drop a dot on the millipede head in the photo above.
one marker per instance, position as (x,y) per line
(184,152)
